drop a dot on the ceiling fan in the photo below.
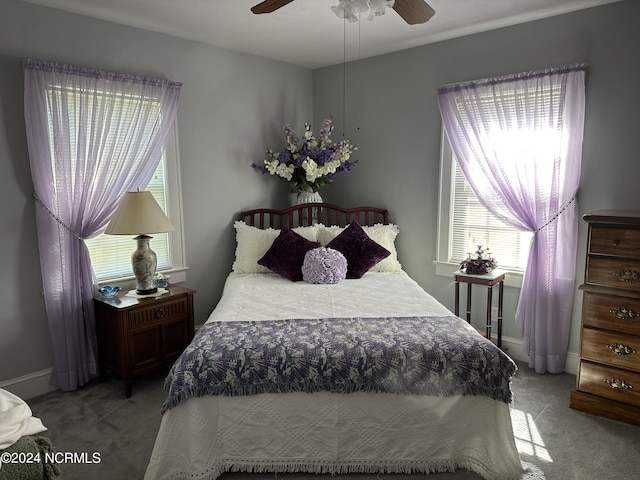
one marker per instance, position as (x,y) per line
(412,11)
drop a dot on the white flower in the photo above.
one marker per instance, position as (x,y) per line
(311,170)
(271,166)
(276,168)
(285,171)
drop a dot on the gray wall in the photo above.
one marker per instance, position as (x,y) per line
(232,106)
(392,114)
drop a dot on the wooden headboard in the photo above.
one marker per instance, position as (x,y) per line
(309,213)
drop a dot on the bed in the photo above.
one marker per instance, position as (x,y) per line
(363,373)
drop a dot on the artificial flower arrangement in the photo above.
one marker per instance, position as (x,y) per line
(482,263)
(309,163)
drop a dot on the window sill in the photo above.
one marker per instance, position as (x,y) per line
(446,269)
(178,275)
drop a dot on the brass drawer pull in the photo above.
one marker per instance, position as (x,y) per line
(624,313)
(620,349)
(618,384)
(160,313)
(627,275)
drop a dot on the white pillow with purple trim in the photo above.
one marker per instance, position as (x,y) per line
(252,243)
(384,234)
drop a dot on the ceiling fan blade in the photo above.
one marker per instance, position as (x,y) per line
(413,11)
(269,6)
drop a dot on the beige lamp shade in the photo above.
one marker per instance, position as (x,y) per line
(138,213)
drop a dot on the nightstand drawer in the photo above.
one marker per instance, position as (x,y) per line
(158,313)
(615,349)
(612,272)
(609,312)
(612,383)
(621,242)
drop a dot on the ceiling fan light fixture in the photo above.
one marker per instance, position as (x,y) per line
(414,12)
(351,9)
(378,7)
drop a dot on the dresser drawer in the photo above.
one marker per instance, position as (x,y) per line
(621,242)
(613,272)
(611,312)
(158,312)
(612,348)
(608,382)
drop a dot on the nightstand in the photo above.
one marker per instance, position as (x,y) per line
(496,277)
(138,335)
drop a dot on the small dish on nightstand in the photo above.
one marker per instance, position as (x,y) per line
(162,280)
(108,291)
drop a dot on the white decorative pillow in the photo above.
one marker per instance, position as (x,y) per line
(252,243)
(384,234)
(326,234)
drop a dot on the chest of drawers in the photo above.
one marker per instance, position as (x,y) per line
(608,382)
(139,335)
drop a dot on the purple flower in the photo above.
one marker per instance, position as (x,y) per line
(261,168)
(285,156)
(479,265)
(325,131)
(290,135)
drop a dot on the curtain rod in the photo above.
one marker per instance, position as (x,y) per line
(574,67)
(44,66)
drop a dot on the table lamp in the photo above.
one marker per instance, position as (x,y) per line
(139,214)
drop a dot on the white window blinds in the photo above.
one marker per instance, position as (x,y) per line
(472,225)
(111,254)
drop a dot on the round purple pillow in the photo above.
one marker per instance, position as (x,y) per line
(324,265)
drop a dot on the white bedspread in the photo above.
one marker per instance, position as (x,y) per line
(332,433)
(256,296)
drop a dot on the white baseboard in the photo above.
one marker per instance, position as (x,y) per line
(31,385)
(515,349)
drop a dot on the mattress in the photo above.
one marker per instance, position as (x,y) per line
(325,432)
(257,296)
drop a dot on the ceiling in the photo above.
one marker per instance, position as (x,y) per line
(306,32)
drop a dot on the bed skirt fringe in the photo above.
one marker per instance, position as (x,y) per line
(530,471)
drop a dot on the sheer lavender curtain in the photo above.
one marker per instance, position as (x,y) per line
(92,136)
(518,141)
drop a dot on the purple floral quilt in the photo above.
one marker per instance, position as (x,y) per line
(441,356)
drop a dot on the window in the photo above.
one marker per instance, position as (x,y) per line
(465,223)
(111,254)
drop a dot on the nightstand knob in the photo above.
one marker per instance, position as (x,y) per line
(160,313)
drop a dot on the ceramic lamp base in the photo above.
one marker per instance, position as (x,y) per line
(144,262)
(146,292)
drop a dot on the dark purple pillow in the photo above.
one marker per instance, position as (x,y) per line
(286,254)
(360,250)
